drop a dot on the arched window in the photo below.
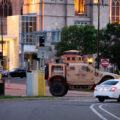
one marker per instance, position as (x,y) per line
(79,6)
(5,8)
(115,11)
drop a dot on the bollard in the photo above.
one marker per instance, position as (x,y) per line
(2,85)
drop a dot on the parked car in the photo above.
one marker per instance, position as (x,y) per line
(16,72)
(109,89)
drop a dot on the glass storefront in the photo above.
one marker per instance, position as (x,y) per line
(28,25)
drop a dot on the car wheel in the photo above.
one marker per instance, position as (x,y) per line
(101,99)
(118,99)
(58,89)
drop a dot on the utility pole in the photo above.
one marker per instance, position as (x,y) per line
(98,36)
(66,3)
(2,40)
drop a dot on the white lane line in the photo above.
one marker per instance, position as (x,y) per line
(108,112)
(96,112)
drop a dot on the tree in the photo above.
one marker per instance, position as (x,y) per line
(75,37)
(88,43)
(110,45)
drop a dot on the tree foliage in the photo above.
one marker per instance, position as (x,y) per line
(75,37)
(110,45)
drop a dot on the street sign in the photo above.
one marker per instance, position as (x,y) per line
(42,70)
(105,63)
(1,69)
(43,52)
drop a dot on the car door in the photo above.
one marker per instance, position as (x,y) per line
(73,74)
(13,73)
(87,75)
(20,73)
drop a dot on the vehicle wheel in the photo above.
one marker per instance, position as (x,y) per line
(101,99)
(58,89)
(118,99)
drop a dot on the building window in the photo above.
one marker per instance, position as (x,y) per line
(81,23)
(5,8)
(95,1)
(28,26)
(68,58)
(79,6)
(115,11)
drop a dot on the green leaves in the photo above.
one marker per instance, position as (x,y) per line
(77,38)
(110,45)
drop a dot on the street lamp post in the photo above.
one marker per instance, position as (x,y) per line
(98,36)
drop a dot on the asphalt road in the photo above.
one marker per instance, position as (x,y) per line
(65,109)
(74,106)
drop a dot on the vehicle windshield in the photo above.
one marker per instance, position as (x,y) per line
(13,70)
(109,83)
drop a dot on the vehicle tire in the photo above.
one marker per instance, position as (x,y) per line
(101,99)
(118,100)
(58,89)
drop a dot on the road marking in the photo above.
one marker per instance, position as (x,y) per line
(96,112)
(109,112)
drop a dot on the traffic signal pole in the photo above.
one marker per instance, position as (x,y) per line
(98,36)
(41,45)
(2,41)
(2,84)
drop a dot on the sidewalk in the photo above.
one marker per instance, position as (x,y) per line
(19,89)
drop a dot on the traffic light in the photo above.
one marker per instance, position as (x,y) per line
(41,41)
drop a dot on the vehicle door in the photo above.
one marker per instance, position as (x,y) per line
(14,72)
(87,75)
(21,73)
(73,74)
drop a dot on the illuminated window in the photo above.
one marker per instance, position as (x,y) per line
(95,1)
(5,8)
(79,6)
(115,11)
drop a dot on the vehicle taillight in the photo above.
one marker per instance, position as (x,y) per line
(95,88)
(113,89)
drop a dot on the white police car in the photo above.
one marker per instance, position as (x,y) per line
(109,89)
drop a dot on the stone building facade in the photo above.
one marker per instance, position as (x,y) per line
(50,15)
(55,14)
(9,8)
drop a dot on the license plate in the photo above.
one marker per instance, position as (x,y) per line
(103,89)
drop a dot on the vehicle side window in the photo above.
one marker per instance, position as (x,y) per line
(57,69)
(86,68)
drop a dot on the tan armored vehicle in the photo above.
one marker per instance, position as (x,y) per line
(74,75)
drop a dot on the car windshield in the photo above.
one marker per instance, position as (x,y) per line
(109,83)
(13,70)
